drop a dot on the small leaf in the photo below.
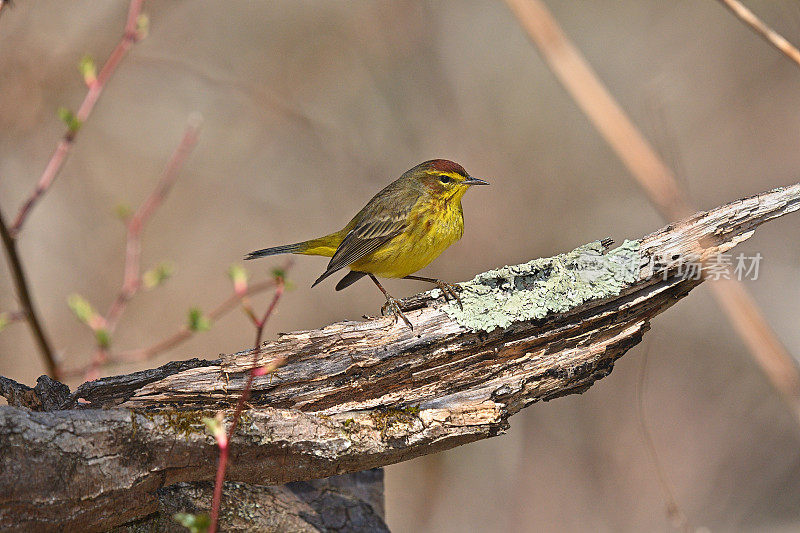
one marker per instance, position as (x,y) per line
(198,321)
(142,26)
(237,272)
(69,118)
(123,211)
(103,338)
(279,273)
(81,307)
(4,321)
(239,276)
(212,425)
(216,428)
(157,275)
(196,523)
(88,70)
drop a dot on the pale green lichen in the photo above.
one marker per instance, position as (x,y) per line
(498,298)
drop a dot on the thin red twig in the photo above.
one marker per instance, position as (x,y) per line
(132,274)
(185,333)
(96,87)
(224,443)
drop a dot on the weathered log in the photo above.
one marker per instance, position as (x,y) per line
(358,395)
(351,502)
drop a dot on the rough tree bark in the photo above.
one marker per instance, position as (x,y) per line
(352,396)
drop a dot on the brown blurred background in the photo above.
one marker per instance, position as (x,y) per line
(311,107)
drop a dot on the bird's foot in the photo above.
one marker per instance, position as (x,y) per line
(393,305)
(450,290)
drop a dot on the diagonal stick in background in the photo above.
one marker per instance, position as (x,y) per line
(658,181)
(757,25)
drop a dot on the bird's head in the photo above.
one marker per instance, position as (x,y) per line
(443,179)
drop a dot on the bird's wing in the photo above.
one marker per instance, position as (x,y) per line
(375,225)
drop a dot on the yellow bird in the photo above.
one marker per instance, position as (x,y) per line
(401,230)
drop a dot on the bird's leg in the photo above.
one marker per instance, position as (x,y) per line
(447,289)
(392,304)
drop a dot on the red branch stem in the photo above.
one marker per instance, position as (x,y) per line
(185,333)
(132,276)
(93,94)
(223,446)
(131,280)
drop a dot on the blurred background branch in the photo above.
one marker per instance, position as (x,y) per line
(763,30)
(104,326)
(135,29)
(658,181)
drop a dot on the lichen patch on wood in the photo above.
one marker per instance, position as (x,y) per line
(498,298)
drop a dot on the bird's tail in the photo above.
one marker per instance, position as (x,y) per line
(275,250)
(325,246)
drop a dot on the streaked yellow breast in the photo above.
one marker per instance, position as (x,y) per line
(434,224)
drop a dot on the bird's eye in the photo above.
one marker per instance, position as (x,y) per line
(445,179)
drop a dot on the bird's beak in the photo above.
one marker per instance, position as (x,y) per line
(475,181)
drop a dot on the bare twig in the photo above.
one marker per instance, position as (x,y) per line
(223,442)
(763,30)
(578,77)
(185,333)
(131,281)
(24,295)
(657,181)
(96,86)
(132,276)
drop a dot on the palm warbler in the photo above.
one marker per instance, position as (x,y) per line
(401,230)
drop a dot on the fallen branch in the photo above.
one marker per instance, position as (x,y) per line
(358,395)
